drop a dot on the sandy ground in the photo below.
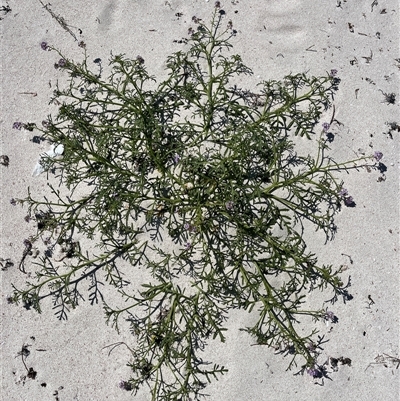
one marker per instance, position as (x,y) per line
(358,38)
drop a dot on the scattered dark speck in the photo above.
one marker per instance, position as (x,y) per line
(390,98)
(32,374)
(4,160)
(382,168)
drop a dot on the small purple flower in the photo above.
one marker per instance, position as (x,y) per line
(314,373)
(188,245)
(62,63)
(196,20)
(17,125)
(190,227)
(45,124)
(176,158)
(325,127)
(28,244)
(311,346)
(333,73)
(44,46)
(124,385)
(330,317)
(13,201)
(140,60)
(229,205)
(378,155)
(349,201)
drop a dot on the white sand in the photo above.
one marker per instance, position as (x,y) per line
(274,38)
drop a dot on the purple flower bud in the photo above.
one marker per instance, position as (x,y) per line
(330,317)
(62,63)
(17,125)
(190,227)
(229,205)
(378,155)
(28,244)
(349,201)
(44,46)
(176,158)
(333,73)
(311,346)
(13,201)
(314,373)
(325,127)
(188,245)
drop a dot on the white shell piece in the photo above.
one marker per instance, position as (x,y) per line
(54,151)
(38,169)
(59,150)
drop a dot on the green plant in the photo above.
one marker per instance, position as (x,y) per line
(199,182)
